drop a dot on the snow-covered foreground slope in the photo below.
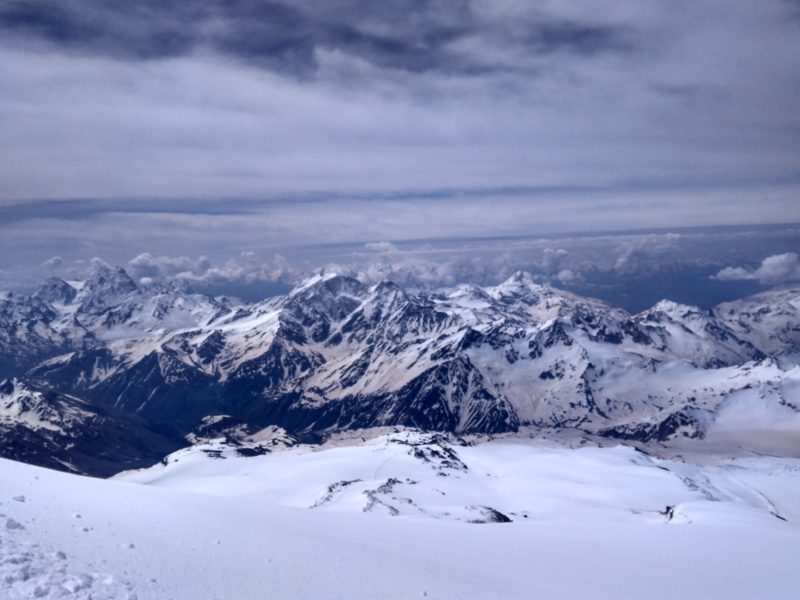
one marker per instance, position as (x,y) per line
(586,523)
(441,476)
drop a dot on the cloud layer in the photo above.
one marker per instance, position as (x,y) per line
(631,270)
(253,99)
(289,37)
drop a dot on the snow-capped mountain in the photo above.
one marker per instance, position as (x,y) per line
(770,320)
(31,330)
(64,316)
(338,354)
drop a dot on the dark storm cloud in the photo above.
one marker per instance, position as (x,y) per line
(132,30)
(410,35)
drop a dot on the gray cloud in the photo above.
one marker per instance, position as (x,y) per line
(566,277)
(97,263)
(552,259)
(247,277)
(776,269)
(644,251)
(53,264)
(287,37)
(146,265)
(380,247)
(132,101)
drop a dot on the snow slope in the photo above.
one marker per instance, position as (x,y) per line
(584,523)
(442,476)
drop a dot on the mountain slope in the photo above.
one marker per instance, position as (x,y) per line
(53,430)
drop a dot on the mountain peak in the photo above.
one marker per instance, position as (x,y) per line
(7,387)
(519,282)
(333,284)
(56,290)
(673,309)
(522,286)
(388,290)
(107,279)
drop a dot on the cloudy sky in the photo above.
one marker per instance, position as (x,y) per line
(270,136)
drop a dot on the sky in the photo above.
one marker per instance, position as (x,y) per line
(247,143)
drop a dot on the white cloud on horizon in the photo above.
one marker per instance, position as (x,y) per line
(201,272)
(775,269)
(381,247)
(53,264)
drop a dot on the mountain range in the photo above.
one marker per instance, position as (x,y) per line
(144,369)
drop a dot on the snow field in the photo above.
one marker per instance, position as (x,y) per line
(585,523)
